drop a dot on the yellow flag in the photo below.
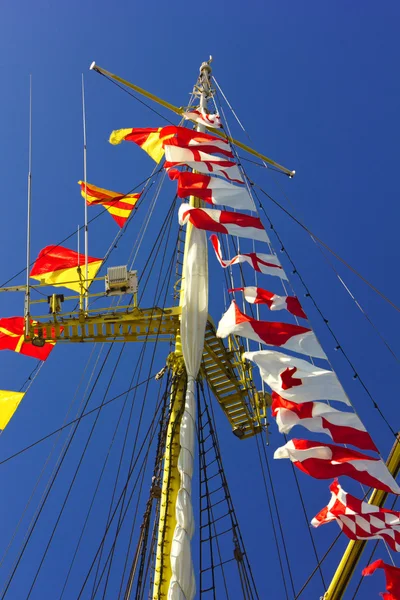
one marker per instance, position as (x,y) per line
(9,402)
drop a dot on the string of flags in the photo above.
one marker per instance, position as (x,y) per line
(301,392)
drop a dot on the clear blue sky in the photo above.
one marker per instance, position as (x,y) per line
(317,89)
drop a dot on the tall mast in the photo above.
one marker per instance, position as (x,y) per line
(174,574)
(28,224)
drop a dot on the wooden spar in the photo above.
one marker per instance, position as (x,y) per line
(179,111)
(352,554)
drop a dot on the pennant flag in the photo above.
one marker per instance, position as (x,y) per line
(9,402)
(60,266)
(342,427)
(149,139)
(256,295)
(292,337)
(392,576)
(211,190)
(12,331)
(118,205)
(203,118)
(195,141)
(223,221)
(295,379)
(268,264)
(360,520)
(327,461)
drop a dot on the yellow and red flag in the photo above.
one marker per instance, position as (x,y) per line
(9,402)
(12,331)
(149,139)
(60,266)
(118,205)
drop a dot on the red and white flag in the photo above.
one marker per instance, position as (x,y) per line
(295,379)
(327,461)
(342,427)
(256,295)
(392,576)
(196,140)
(223,221)
(285,335)
(203,118)
(211,190)
(360,520)
(268,264)
(202,162)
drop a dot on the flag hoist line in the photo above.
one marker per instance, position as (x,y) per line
(174,573)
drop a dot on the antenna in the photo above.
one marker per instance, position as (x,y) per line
(28,223)
(85,180)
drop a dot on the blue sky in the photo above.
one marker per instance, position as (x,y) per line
(316,88)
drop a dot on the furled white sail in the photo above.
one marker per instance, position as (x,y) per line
(193,324)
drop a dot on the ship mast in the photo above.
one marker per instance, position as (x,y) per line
(174,568)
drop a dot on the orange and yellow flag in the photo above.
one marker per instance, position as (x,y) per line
(149,139)
(60,266)
(9,402)
(12,331)
(118,205)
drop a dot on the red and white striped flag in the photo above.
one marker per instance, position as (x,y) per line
(256,295)
(285,335)
(342,427)
(327,461)
(360,520)
(211,189)
(223,221)
(392,576)
(268,264)
(203,118)
(187,139)
(296,379)
(204,163)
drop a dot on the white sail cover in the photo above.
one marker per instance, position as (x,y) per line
(193,324)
